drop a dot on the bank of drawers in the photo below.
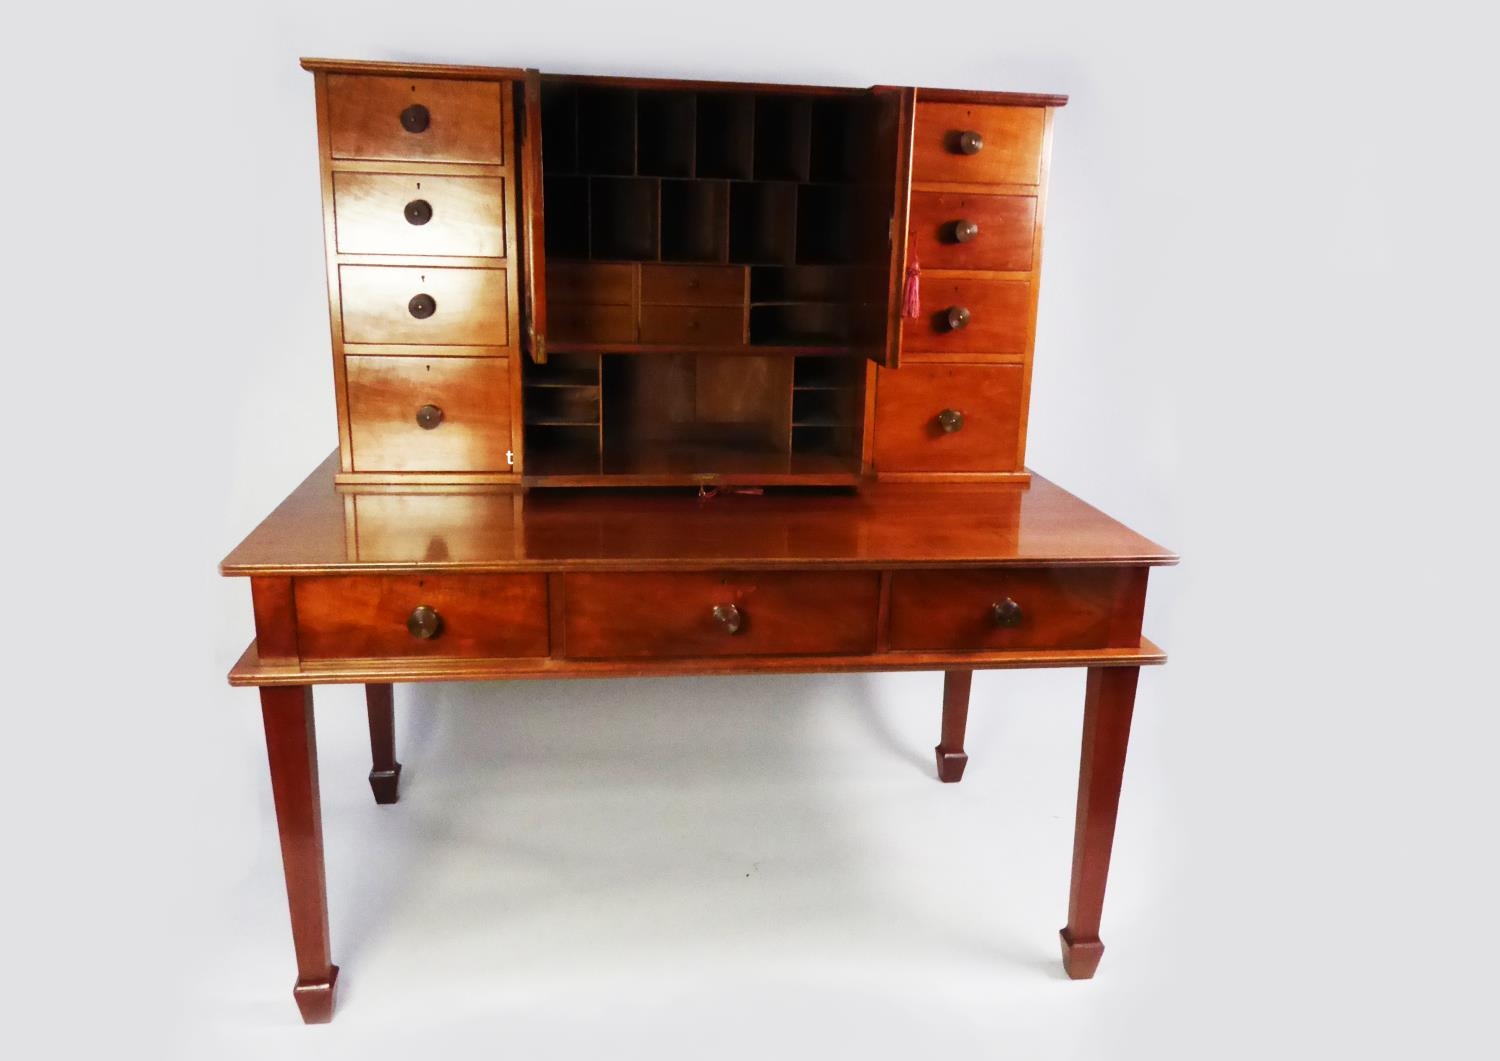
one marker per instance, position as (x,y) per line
(957,403)
(716,614)
(423,282)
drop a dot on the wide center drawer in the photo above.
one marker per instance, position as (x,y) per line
(393,213)
(720,614)
(391,616)
(1017,608)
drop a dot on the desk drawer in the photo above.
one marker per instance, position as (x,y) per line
(412,414)
(1054,608)
(948,418)
(467,617)
(424,306)
(1002,242)
(759,614)
(967,316)
(594,285)
(1009,149)
(415,119)
(568,323)
(392,213)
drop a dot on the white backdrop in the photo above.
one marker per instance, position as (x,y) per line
(1266,339)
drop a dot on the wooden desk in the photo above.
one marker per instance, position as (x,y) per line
(391,585)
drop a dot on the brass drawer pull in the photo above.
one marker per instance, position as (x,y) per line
(429,416)
(416,118)
(422,306)
(970,142)
(729,617)
(1006,613)
(951,420)
(424,623)
(958,317)
(418,212)
(964,230)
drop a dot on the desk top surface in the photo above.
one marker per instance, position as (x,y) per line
(321,529)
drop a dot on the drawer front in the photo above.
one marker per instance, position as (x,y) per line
(966,316)
(599,285)
(692,324)
(378,117)
(1009,151)
(391,428)
(673,615)
(476,616)
(590,324)
(388,213)
(910,431)
(1024,608)
(692,285)
(1003,242)
(380,305)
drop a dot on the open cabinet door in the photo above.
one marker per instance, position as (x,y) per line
(889,151)
(533,228)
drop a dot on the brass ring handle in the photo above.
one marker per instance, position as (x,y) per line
(416,118)
(964,230)
(970,142)
(958,317)
(1005,613)
(424,623)
(429,416)
(729,617)
(422,306)
(418,212)
(951,420)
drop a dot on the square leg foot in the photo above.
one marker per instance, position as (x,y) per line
(384,783)
(1080,957)
(315,997)
(950,765)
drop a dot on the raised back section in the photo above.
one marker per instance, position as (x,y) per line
(581,281)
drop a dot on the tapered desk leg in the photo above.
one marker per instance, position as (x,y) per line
(1107,708)
(292,747)
(951,758)
(385,773)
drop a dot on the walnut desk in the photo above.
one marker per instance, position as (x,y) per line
(381,585)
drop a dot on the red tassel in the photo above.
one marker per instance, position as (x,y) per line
(911,304)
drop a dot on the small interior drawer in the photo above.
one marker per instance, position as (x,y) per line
(721,325)
(1003,242)
(969,316)
(390,213)
(1008,149)
(599,285)
(590,324)
(422,305)
(415,119)
(378,617)
(1017,608)
(720,614)
(442,414)
(948,418)
(693,285)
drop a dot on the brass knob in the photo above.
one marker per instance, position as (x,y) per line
(958,317)
(428,417)
(950,420)
(424,623)
(964,230)
(422,306)
(729,617)
(415,119)
(1006,613)
(970,142)
(418,212)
